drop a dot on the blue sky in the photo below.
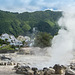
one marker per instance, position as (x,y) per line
(34,5)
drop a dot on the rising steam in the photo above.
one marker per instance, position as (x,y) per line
(64,43)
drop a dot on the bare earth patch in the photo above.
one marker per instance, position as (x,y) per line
(7,70)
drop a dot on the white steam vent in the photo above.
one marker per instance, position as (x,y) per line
(64,43)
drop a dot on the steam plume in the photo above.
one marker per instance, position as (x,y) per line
(64,43)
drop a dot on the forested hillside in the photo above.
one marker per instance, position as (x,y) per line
(22,23)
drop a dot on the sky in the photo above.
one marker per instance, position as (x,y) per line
(34,5)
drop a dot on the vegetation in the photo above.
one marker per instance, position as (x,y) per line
(4,45)
(7,47)
(22,23)
(43,39)
(3,42)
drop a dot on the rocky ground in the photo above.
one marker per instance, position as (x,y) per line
(55,70)
(26,70)
(35,64)
(7,70)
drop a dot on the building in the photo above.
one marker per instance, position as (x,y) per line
(11,39)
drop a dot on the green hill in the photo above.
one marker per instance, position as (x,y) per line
(22,23)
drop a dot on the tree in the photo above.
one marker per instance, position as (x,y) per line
(44,27)
(1,41)
(42,40)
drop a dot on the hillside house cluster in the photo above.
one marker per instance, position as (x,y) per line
(17,41)
(11,39)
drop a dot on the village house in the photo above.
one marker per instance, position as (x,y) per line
(11,39)
(25,39)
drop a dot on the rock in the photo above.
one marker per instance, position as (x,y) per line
(48,71)
(40,72)
(34,69)
(26,71)
(3,58)
(30,72)
(72,66)
(52,71)
(22,69)
(18,71)
(45,69)
(69,72)
(15,67)
(4,63)
(9,63)
(26,68)
(24,51)
(59,69)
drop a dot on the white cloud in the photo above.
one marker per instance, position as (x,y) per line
(33,5)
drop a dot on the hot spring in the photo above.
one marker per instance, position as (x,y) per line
(63,45)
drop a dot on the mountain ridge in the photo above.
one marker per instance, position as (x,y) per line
(22,23)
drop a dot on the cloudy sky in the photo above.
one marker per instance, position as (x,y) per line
(33,5)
